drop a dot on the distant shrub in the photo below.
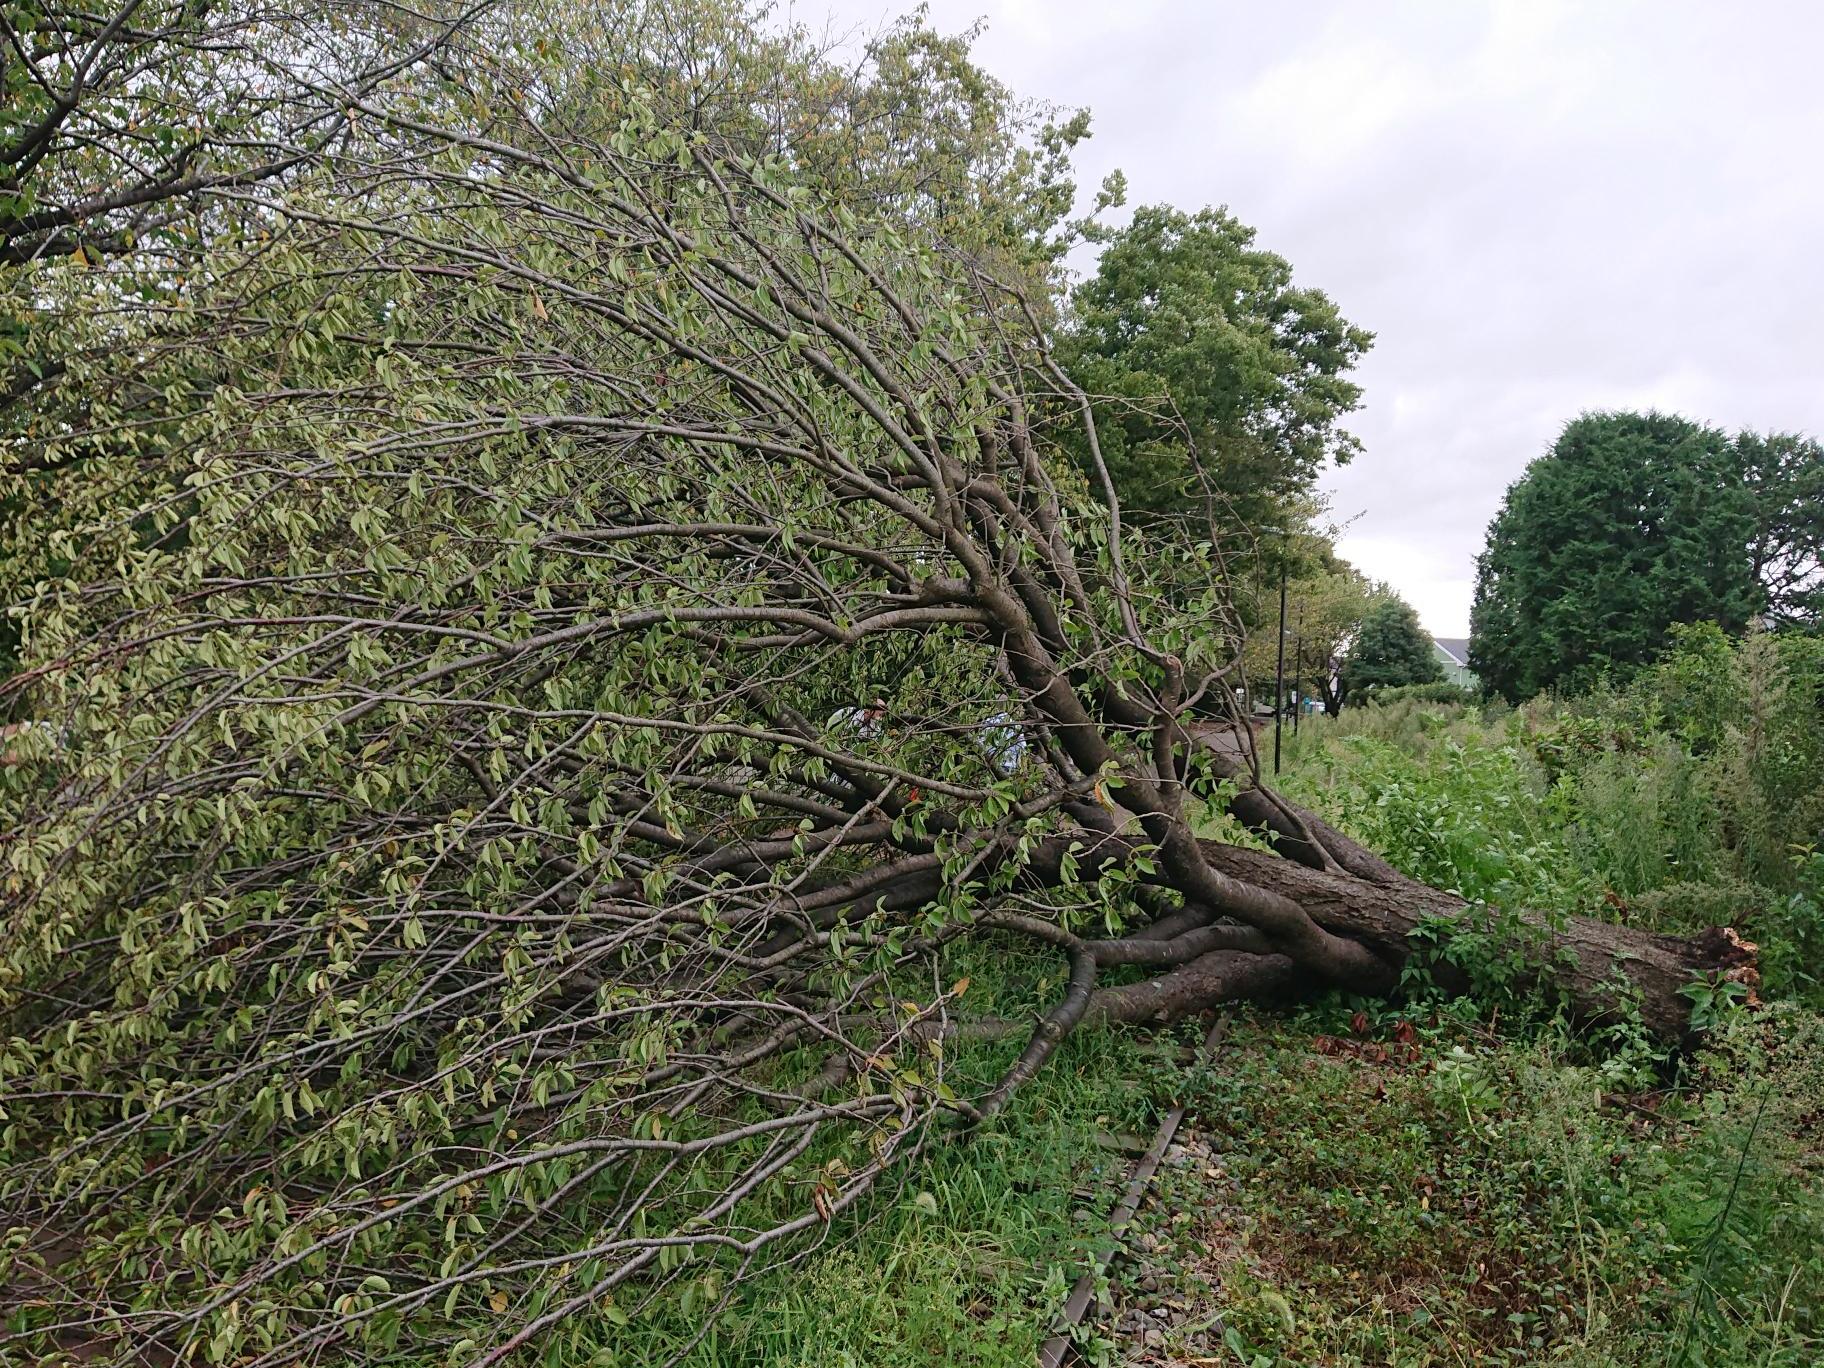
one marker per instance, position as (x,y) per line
(1689,907)
(1412,726)
(1754,711)
(1378,696)
(1646,817)
(1791,934)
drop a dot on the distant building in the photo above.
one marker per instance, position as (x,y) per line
(1453,655)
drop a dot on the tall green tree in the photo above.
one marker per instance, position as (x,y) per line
(1326,601)
(1784,473)
(1635,522)
(904,123)
(1391,649)
(1220,384)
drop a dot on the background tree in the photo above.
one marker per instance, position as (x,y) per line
(117,123)
(125,131)
(1219,383)
(1784,473)
(1631,524)
(1325,606)
(1390,649)
(900,122)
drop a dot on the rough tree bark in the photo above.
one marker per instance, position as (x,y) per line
(1353,892)
(1598,970)
(1592,963)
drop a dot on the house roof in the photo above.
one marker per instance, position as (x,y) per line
(1457,648)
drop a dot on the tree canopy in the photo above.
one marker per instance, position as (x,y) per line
(1390,649)
(1219,383)
(1326,602)
(1635,522)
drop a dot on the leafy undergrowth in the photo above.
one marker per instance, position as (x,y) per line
(963,1262)
(1362,1192)
(1692,797)
(1351,1189)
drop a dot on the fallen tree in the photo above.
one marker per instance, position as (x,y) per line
(605,633)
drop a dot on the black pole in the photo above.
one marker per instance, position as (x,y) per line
(1279,669)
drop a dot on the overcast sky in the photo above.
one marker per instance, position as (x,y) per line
(1539,207)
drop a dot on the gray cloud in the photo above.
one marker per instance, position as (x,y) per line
(1540,206)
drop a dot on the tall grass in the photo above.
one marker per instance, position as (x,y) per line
(1695,796)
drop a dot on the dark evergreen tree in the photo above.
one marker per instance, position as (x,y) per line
(1785,473)
(1631,524)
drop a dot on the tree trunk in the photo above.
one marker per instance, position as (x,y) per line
(1221,945)
(1600,971)
(1594,963)
(1330,688)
